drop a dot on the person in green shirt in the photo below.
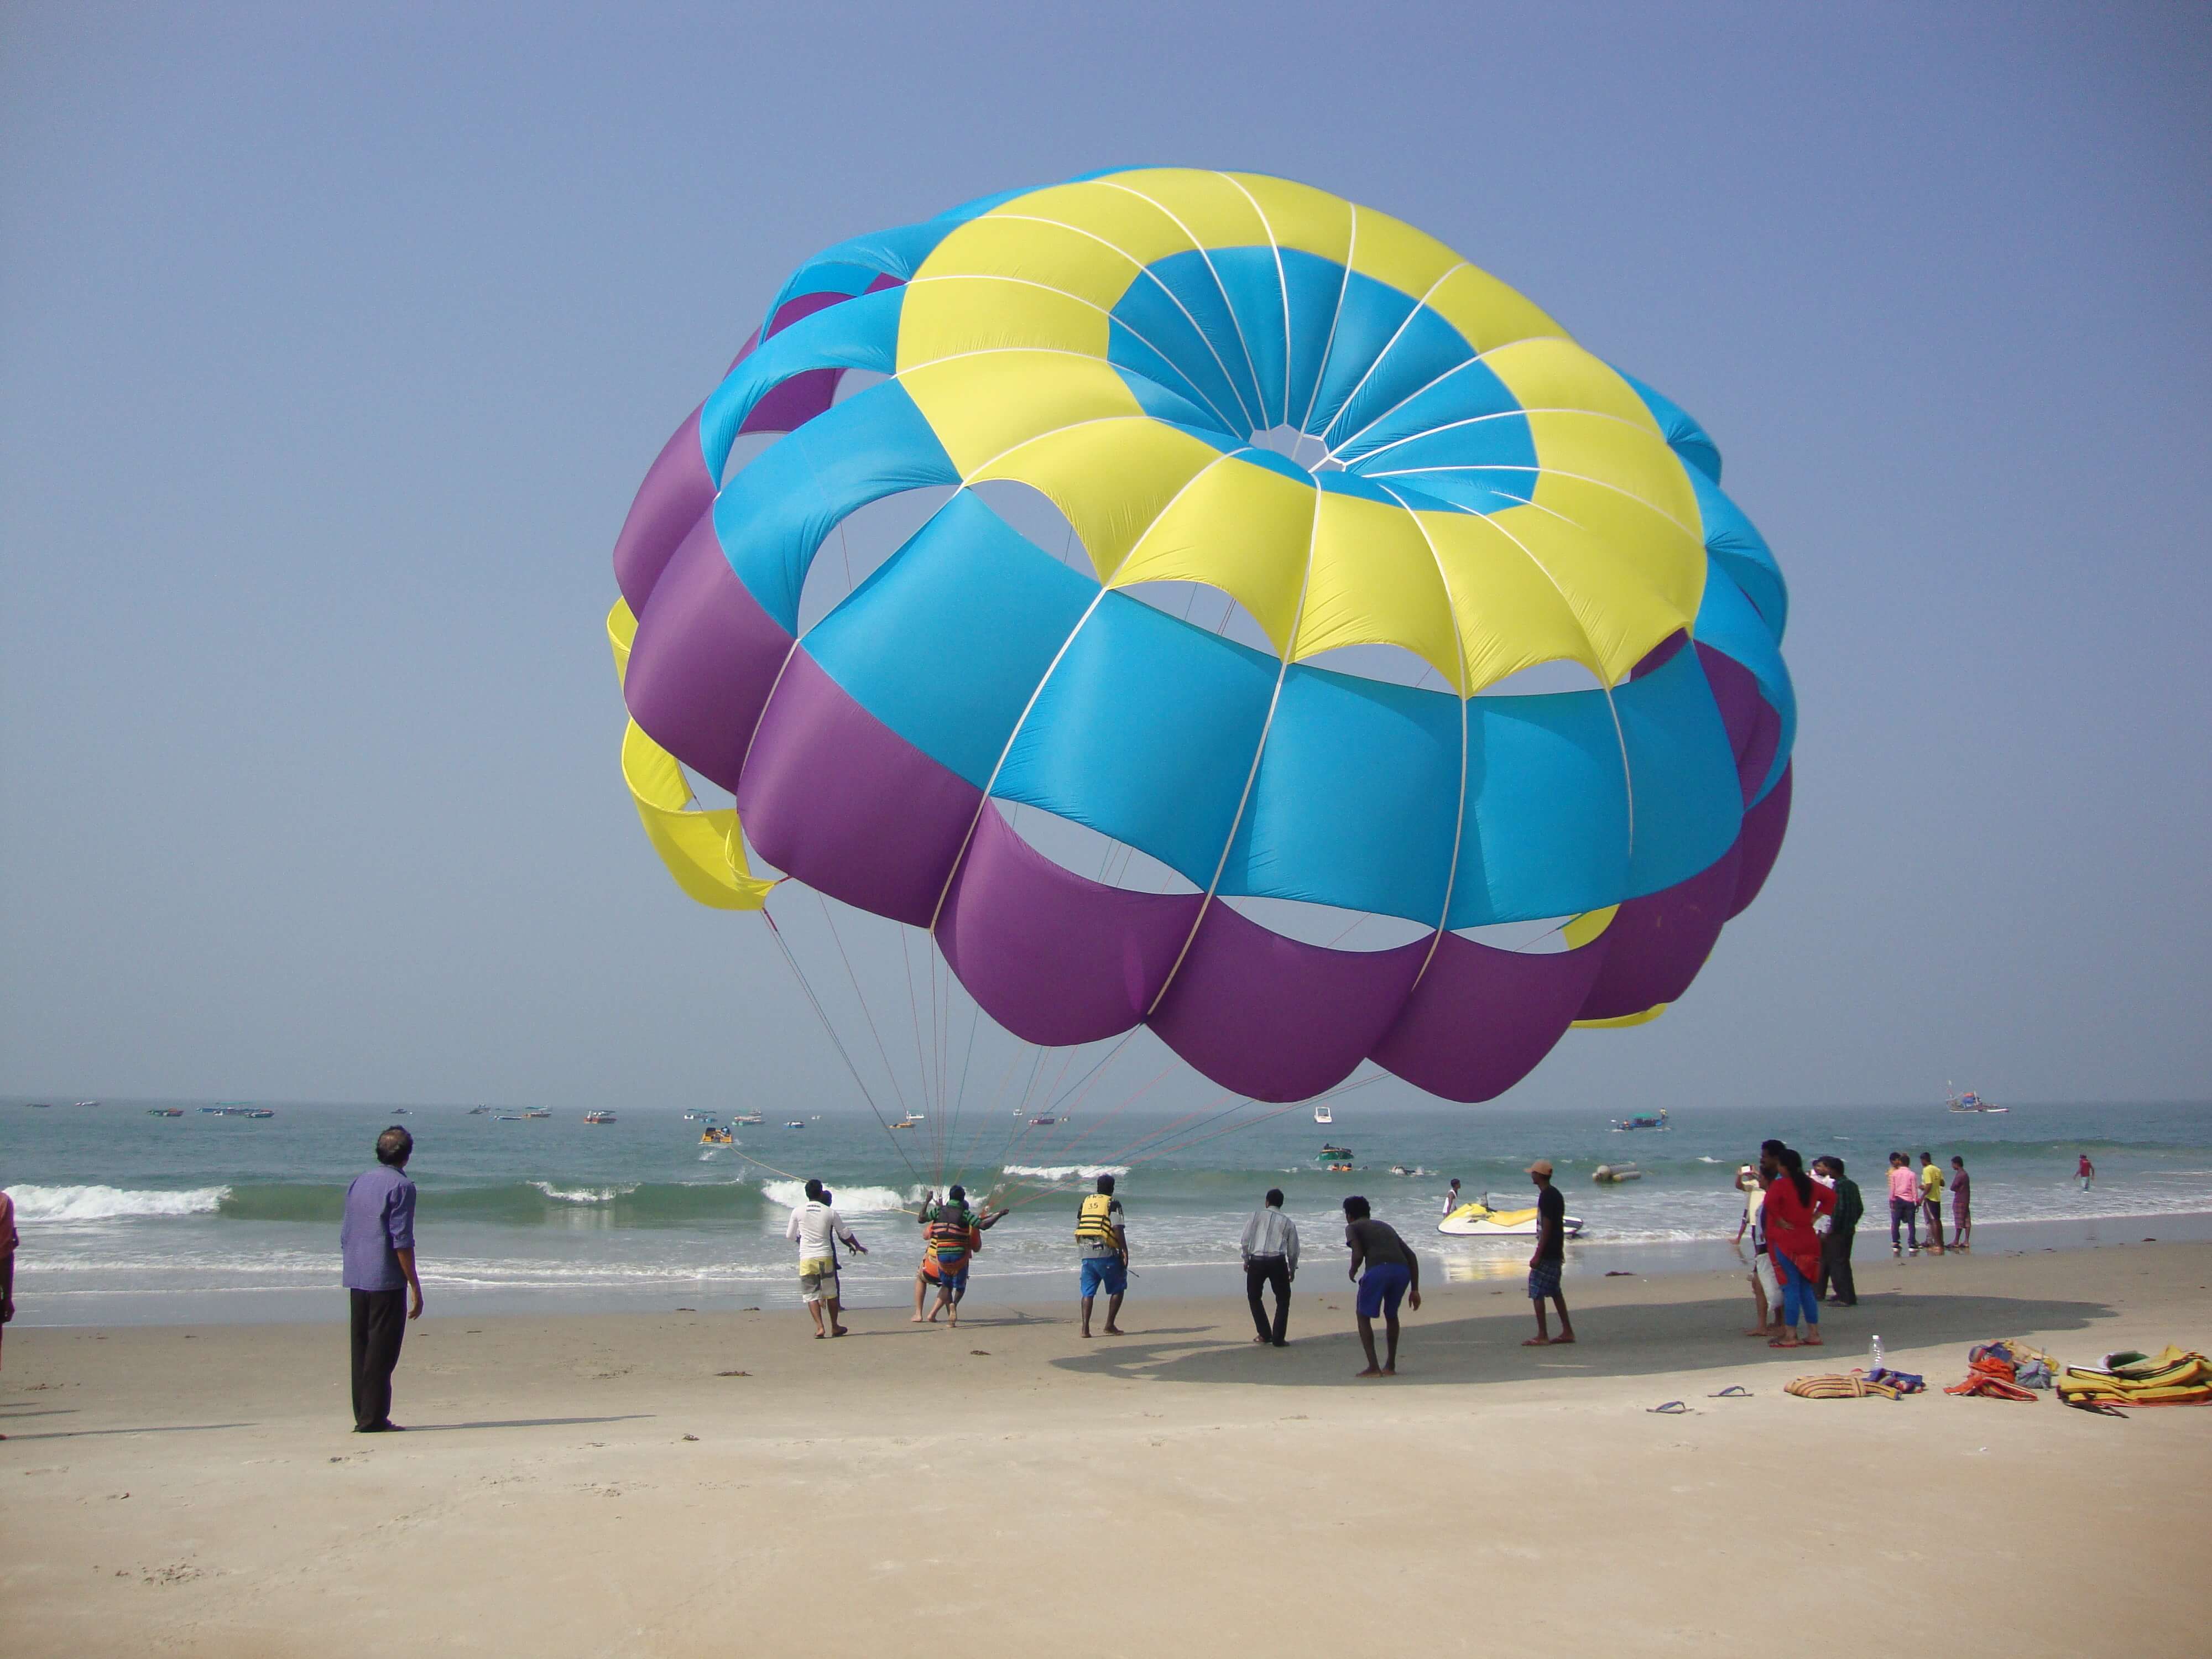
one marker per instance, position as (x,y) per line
(1931,1201)
(1836,1243)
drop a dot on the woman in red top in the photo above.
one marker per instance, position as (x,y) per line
(1792,1202)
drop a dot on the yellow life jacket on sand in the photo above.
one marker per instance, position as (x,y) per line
(1094,1220)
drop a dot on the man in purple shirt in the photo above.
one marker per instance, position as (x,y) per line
(377,1240)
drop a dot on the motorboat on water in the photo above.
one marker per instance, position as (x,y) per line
(910,1121)
(1043,1121)
(599,1117)
(507,1117)
(795,1124)
(1324,1115)
(479,1111)
(698,1117)
(165,1111)
(88,1102)
(1641,1121)
(538,1112)
(1970,1101)
(711,1136)
(747,1117)
(1476,1220)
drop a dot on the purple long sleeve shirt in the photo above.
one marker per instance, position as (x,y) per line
(379,1222)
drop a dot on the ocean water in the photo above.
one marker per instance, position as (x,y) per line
(126,1217)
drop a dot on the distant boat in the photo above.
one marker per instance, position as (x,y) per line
(165,1111)
(909,1121)
(507,1117)
(1324,1115)
(537,1112)
(1043,1121)
(711,1136)
(217,1110)
(401,1111)
(1641,1122)
(747,1117)
(479,1111)
(599,1117)
(256,1111)
(795,1124)
(698,1117)
(88,1102)
(48,1106)
(1970,1101)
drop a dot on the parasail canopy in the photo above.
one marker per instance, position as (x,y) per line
(1413,495)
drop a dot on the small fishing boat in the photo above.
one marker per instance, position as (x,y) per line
(535,1112)
(1043,1121)
(479,1111)
(507,1117)
(909,1121)
(1330,1152)
(711,1136)
(599,1117)
(1641,1122)
(1476,1220)
(747,1117)
(165,1111)
(401,1111)
(88,1102)
(216,1111)
(256,1111)
(698,1117)
(1970,1101)
(795,1124)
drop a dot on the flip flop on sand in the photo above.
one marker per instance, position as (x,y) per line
(1733,1391)
(1671,1409)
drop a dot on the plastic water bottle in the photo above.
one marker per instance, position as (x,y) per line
(1873,1358)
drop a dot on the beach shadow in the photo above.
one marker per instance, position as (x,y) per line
(525,1423)
(1612,1341)
(165,1428)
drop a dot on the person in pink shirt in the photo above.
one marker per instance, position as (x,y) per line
(1904,1203)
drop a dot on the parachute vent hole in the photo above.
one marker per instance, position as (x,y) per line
(1309,452)
(747,448)
(1034,515)
(1544,937)
(1204,607)
(1327,924)
(1083,851)
(853,381)
(860,544)
(1544,680)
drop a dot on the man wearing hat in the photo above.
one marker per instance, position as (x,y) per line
(1550,1257)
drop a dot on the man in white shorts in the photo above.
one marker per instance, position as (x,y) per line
(816,1229)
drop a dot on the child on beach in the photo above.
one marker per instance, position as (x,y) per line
(1765,1288)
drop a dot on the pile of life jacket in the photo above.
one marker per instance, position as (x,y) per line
(2168,1378)
(1993,1372)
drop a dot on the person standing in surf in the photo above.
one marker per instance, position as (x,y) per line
(1393,1273)
(1550,1259)
(1962,1204)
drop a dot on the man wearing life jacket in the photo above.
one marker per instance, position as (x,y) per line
(925,1276)
(1102,1243)
(951,1241)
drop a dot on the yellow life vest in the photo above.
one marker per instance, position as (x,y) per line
(1094,1220)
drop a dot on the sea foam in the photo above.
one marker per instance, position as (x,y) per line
(111,1203)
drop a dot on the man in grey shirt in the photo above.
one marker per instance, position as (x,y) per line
(1271,1257)
(377,1240)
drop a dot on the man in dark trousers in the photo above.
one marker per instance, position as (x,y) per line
(1550,1258)
(1836,1245)
(377,1240)
(1270,1246)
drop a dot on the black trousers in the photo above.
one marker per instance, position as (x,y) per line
(379,1324)
(1260,1271)
(1836,1265)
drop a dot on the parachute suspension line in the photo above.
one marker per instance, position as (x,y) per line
(835,1041)
(913,1015)
(852,979)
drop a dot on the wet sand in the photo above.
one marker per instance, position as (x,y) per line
(597,1485)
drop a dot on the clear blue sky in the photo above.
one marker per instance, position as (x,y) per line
(334,341)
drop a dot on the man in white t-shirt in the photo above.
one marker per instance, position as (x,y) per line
(816,1229)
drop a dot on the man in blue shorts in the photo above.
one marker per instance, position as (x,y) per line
(1102,1243)
(1393,1271)
(1550,1256)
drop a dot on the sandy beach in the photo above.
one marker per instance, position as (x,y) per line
(670,1483)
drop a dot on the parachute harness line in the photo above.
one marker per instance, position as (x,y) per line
(1379,459)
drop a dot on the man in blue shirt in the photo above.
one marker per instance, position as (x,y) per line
(377,1240)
